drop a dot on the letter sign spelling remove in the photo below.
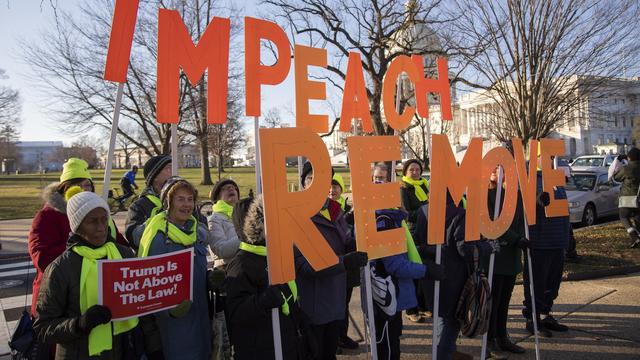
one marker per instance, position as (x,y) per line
(369,197)
(288,214)
(175,50)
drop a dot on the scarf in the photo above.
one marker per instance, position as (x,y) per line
(262,251)
(420,193)
(159,223)
(100,338)
(156,202)
(343,202)
(222,207)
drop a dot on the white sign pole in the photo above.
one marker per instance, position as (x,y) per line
(435,338)
(275,312)
(496,212)
(112,142)
(174,150)
(534,318)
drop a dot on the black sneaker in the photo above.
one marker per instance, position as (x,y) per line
(506,345)
(542,331)
(551,323)
(635,244)
(346,342)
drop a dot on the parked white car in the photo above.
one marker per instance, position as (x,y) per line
(592,162)
(591,195)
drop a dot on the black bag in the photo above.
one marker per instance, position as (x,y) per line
(22,339)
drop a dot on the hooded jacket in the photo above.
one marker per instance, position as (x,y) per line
(58,306)
(49,233)
(250,327)
(629,176)
(190,334)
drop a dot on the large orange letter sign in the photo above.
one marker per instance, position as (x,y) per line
(307,90)
(369,197)
(492,229)
(527,182)
(355,103)
(446,175)
(176,49)
(122,27)
(288,214)
(398,65)
(257,74)
(439,86)
(553,177)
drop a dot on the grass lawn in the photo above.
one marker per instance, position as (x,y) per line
(603,246)
(20,194)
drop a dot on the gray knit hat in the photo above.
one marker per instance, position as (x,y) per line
(79,205)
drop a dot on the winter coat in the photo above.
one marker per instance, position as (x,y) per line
(404,272)
(48,236)
(322,294)
(250,327)
(507,261)
(549,233)
(137,214)
(457,256)
(224,239)
(629,176)
(58,306)
(411,203)
(188,337)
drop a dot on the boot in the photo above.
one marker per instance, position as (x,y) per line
(494,351)
(635,237)
(457,355)
(542,331)
(551,323)
(345,342)
(505,344)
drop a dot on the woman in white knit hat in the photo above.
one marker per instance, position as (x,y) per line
(67,302)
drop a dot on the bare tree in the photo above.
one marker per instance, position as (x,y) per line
(272,118)
(370,27)
(225,139)
(538,59)
(10,105)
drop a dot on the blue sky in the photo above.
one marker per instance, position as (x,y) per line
(24,20)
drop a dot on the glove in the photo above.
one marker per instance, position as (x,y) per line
(271,297)
(495,246)
(94,316)
(215,278)
(544,199)
(285,291)
(523,243)
(181,310)
(354,260)
(435,272)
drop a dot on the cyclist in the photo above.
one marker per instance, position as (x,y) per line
(126,182)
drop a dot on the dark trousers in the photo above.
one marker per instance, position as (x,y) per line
(422,303)
(326,336)
(127,190)
(501,289)
(627,215)
(547,275)
(447,344)
(344,325)
(388,334)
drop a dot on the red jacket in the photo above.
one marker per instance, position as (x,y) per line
(48,236)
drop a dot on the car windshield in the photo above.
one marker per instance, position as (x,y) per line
(588,161)
(580,182)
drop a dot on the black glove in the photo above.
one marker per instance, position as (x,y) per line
(94,316)
(271,297)
(523,243)
(354,260)
(215,278)
(435,272)
(544,199)
(285,291)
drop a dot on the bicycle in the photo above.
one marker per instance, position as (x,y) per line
(118,203)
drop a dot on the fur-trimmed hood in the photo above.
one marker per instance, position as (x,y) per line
(54,199)
(254,223)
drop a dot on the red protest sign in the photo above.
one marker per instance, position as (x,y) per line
(139,286)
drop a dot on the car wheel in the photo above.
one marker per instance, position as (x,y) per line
(589,216)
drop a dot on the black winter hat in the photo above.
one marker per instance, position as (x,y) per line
(217,188)
(153,166)
(634,154)
(306,169)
